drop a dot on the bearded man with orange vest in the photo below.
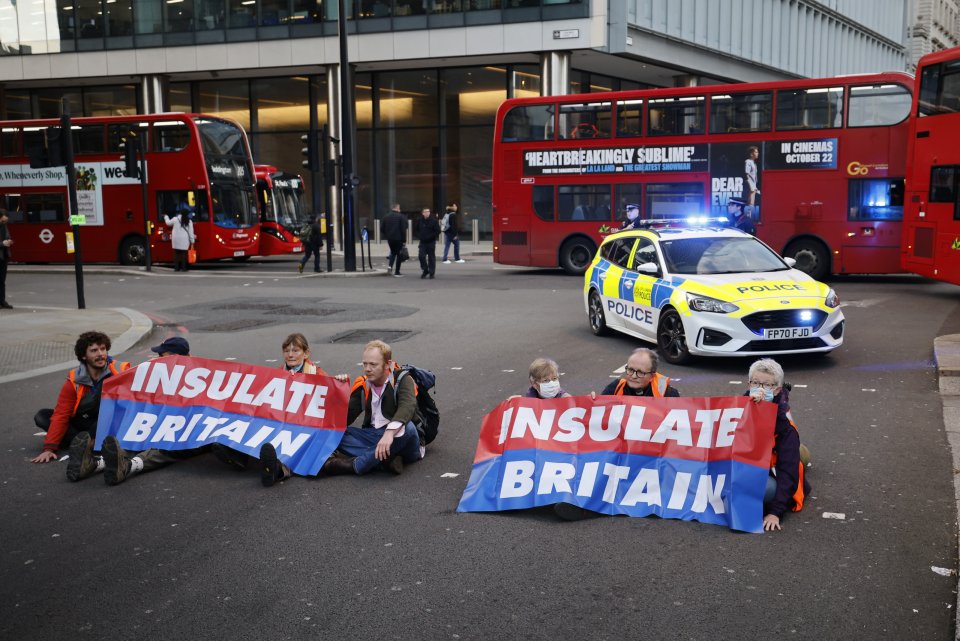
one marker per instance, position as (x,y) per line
(74,419)
(640,377)
(388,435)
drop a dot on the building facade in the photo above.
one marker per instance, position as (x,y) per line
(934,25)
(428,75)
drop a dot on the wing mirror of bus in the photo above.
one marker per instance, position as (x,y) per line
(789,261)
(648,268)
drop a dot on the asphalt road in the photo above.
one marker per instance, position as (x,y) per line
(198,551)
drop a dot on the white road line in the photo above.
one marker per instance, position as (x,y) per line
(508,371)
(456,368)
(868,389)
(736,382)
(840,516)
(943,571)
(800,386)
(230,358)
(449,475)
(40,434)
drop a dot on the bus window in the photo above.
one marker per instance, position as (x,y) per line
(10,142)
(170,136)
(87,139)
(876,199)
(44,208)
(741,112)
(943,184)
(585,120)
(674,200)
(584,202)
(939,89)
(171,203)
(676,116)
(630,118)
(531,122)
(543,202)
(116,134)
(878,105)
(819,108)
(629,194)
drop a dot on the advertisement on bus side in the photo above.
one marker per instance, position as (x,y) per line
(627,159)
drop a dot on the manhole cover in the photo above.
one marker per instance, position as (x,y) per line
(366,335)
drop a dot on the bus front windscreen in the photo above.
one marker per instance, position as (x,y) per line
(230,171)
(289,210)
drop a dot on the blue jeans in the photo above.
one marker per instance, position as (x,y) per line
(307,251)
(361,442)
(447,240)
(771,490)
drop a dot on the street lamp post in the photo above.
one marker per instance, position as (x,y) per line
(346,140)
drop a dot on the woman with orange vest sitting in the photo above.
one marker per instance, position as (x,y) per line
(640,377)
(74,420)
(787,486)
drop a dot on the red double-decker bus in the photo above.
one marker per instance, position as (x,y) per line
(819,164)
(931,234)
(282,211)
(195,163)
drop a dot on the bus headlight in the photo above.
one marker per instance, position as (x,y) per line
(832,300)
(706,304)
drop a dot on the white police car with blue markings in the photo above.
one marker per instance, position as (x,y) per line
(708,292)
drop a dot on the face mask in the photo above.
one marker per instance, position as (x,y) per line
(767,393)
(549,389)
(632,214)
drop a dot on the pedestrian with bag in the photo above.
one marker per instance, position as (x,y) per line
(312,238)
(450,226)
(181,237)
(427,230)
(393,227)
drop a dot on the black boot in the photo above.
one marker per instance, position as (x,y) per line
(338,464)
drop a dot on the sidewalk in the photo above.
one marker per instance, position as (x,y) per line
(44,337)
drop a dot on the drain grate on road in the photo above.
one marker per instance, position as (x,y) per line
(363,336)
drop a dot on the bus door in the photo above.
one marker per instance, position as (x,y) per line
(516,218)
(875,212)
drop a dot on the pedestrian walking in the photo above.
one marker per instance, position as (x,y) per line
(312,239)
(393,227)
(450,226)
(5,243)
(427,230)
(181,237)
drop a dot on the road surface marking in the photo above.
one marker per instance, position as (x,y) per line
(840,516)
(449,475)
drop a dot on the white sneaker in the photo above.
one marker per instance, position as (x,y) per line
(446,262)
(461,261)
(398,275)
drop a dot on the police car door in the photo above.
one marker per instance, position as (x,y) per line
(642,316)
(616,257)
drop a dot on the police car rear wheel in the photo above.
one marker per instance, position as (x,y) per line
(598,322)
(671,338)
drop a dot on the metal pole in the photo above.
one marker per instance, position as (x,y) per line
(146,212)
(346,142)
(324,153)
(67,149)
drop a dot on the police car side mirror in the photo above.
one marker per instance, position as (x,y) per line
(789,261)
(648,268)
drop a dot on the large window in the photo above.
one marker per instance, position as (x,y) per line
(819,108)
(227,99)
(945,186)
(674,200)
(530,122)
(878,105)
(876,199)
(471,96)
(408,98)
(630,118)
(676,116)
(282,104)
(543,202)
(584,120)
(735,113)
(583,202)
(940,89)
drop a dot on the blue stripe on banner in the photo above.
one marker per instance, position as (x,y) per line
(720,492)
(140,426)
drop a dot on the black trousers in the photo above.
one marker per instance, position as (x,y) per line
(3,281)
(307,251)
(394,257)
(180,262)
(428,258)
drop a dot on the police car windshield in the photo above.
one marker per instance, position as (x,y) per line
(719,255)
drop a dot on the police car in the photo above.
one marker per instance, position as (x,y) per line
(708,292)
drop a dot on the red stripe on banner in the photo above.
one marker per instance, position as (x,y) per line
(694,429)
(311,400)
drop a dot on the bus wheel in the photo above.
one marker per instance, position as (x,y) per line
(576,254)
(598,322)
(671,338)
(812,257)
(133,251)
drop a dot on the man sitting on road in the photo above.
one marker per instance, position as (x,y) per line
(640,377)
(120,464)
(388,435)
(74,420)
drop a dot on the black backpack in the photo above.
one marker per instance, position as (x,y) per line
(306,233)
(427,418)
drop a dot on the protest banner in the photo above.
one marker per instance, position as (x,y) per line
(181,402)
(703,459)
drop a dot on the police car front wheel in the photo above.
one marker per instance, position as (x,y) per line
(671,338)
(598,322)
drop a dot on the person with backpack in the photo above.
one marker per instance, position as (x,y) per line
(387,398)
(312,239)
(393,227)
(450,226)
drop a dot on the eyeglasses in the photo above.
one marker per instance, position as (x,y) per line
(639,373)
(767,386)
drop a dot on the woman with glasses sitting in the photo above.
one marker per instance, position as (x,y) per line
(787,486)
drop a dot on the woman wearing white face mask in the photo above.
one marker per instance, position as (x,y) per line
(787,486)
(545,380)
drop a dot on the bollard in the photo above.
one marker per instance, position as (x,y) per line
(376,231)
(475,229)
(409,233)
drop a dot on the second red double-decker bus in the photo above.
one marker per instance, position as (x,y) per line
(931,234)
(195,163)
(282,213)
(818,165)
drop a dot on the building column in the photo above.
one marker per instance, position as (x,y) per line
(686,80)
(555,73)
(152,94)
(332,150)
